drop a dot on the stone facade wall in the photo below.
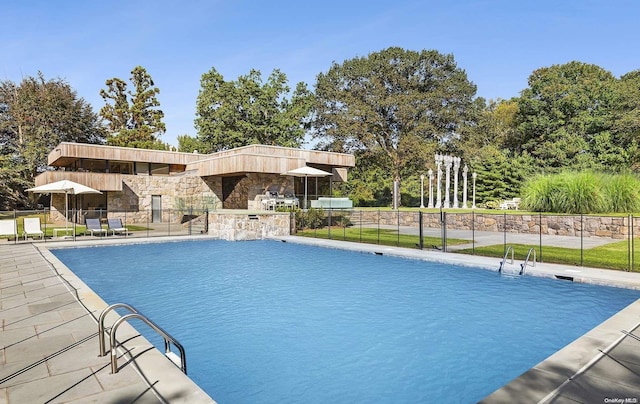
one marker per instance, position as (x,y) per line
(257,184)
(235,227)
(176,192)
(133,203)
(246,191)
(180,192)
(560,225)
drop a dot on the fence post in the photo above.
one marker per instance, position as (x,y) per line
(15,218)
(344,225)
(629,246)
(540,230)
(443,224)
(581,240)
(44,222)
(633,250)
(420,230)
(378,226)
(504,232)
(398,227)
(473,232)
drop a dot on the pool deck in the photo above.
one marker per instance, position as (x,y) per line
(49,337)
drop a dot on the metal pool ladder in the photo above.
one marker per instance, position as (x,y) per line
(504,259)
(180,361)
(523,266)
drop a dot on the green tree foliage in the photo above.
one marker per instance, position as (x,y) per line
(627,115)
(495,126)
(484,148)
(133,117)
(231,114)
(188,144)
(369,184)
(398,104)
(500,173)
(566,118)
(35,116)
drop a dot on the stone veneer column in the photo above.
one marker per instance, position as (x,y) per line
(447,166)
(456,168)
(465,171)
(439,180)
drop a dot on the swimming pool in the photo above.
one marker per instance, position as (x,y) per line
(265,321)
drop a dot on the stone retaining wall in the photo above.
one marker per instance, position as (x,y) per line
(560,225)
(236,226)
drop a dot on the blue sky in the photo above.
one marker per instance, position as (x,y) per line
(498,43)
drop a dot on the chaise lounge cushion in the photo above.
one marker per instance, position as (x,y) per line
(32,227)
(8,228)
(94,226)
(115,226)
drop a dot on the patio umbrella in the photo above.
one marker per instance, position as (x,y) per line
(67,188)
(306,172)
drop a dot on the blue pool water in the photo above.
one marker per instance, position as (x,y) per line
(273,322)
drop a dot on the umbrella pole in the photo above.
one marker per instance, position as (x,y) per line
(66,213)
(305,192)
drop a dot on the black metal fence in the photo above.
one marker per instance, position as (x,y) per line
(56,226)
(582,240)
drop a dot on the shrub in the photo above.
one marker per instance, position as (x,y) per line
(623,193)
(312,218)
(490,205)
(540,193)
(582,192)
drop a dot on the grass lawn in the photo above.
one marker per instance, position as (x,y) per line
(610,256)
(375,236)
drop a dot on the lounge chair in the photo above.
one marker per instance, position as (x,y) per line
(94,226)
(32,227)
(8,228)
(115,226)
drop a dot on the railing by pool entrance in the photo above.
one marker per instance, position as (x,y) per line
(179,361)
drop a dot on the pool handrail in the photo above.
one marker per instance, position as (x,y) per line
(504,259)
(180,362)
(526,261)
(103,314)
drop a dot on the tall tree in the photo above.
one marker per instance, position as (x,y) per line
(133,117)
(35,116)
(247,111)
(627,116)
(404,103)
(566,118)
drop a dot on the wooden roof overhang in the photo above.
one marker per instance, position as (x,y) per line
(242,160)
(267,159)
(66,153)
(100,181)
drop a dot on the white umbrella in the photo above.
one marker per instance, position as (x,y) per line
(306,172)
(65,187)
